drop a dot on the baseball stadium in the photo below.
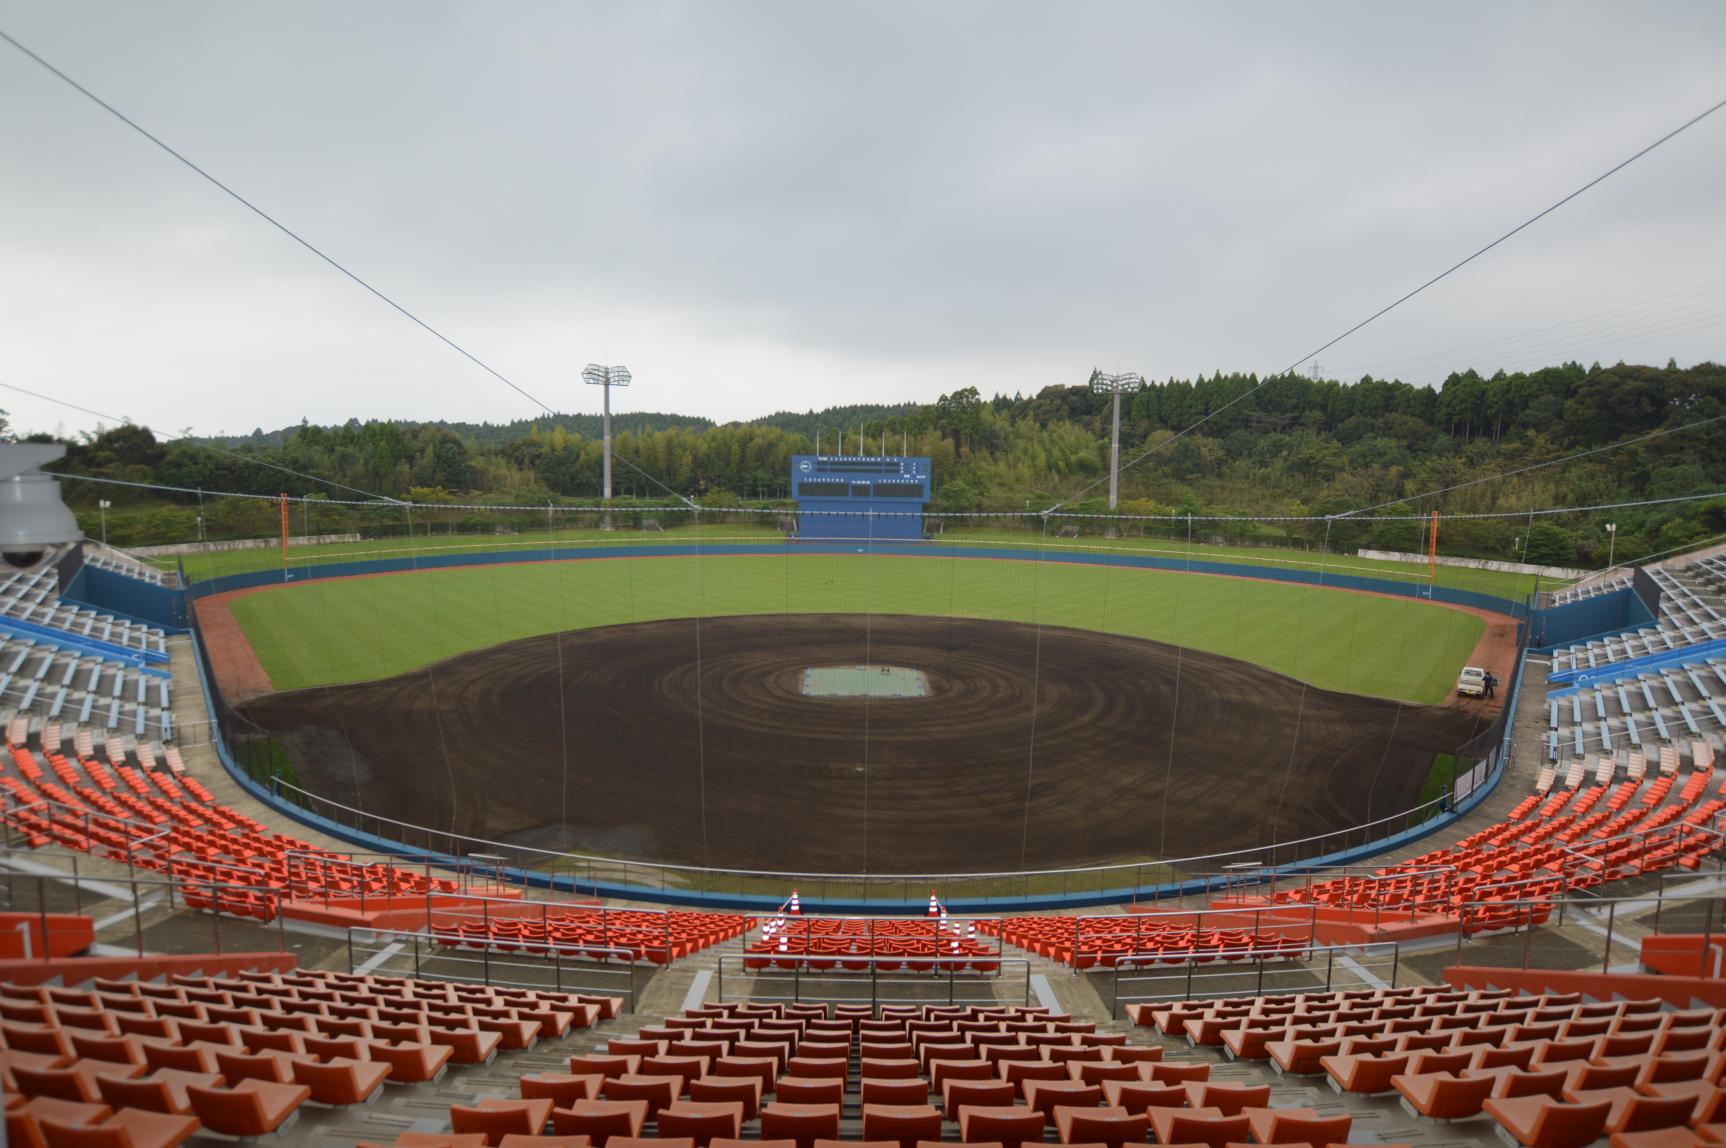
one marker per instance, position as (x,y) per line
(1243,759)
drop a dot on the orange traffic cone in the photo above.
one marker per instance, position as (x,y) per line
(934,905)
(796,906)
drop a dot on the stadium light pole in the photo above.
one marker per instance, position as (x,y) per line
(1611,542)
(595,375)
(1116,385)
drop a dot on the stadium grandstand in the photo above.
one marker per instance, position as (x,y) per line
(1251,759)
(412,997)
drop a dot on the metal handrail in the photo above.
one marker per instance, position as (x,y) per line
(439,949)
(789,877)
(1235,959)
(860,966)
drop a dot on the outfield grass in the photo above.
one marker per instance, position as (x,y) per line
(1500,583)
(217,564)
(341,630)
(200,567)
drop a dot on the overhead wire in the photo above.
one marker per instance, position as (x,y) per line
(306,243)
(1653,434)
(1385,310)
(270,219)
(1701,295)
(121,420)
(539,508)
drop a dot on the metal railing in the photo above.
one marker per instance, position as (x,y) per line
(35,892)
(1614,920)
(945,980)
(1221,973)
(605,876)
(426,956)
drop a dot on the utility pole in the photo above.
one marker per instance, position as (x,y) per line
(1115,385)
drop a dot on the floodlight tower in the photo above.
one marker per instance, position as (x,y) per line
(1116,385)
(606,377)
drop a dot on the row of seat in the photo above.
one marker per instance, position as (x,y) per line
(229,863)
(915,1075)
(1564,847)
(144,1064)
(1087,942)
(1552,1070)
(643,935)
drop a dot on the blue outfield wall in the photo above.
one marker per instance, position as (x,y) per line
(1326,579)
(128,598)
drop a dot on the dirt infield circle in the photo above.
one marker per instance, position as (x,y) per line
(692,742)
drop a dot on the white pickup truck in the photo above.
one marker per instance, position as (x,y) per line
(1472,683)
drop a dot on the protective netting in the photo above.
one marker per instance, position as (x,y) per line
(1105,701)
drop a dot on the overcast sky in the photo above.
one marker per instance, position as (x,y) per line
(768,206)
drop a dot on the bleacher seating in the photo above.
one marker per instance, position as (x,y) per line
(159,818)
(127,569)
(1534,1063)
(1679,705)
(825,943)
(1084,942)
(241,1055)
(53,683)
(34,597)
(1546,845)
(630,934)
(1587,590)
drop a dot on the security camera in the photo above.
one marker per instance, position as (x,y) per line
(33,520)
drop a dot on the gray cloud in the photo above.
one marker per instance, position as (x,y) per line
(768,205)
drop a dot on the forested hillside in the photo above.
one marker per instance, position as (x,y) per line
(1297,446)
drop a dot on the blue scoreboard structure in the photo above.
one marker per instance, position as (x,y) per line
(859,496)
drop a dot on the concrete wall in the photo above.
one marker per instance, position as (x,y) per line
(237,544)
(1563,572)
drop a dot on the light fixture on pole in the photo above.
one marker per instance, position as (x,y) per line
(1611,542)
(1116,385)
(595,375)
(103,505)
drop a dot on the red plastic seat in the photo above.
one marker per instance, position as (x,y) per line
(1441,1096)
(341,1082)
(1367,1075)
(1112,1126)
(1229,1099)
(562,1088)
(411,1063)
(701,1121)
(802,1123)
(745,1090)
(894,1091)
(957,1095)
(494,1118)
(128,1128)
(1009,1125)
(600,1120)
(1541,1122)
(905,1124)
(1198,1126)
(250,1108)
(1297,1126)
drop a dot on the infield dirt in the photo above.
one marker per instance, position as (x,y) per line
(691,742)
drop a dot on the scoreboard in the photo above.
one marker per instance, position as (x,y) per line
(859,496)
